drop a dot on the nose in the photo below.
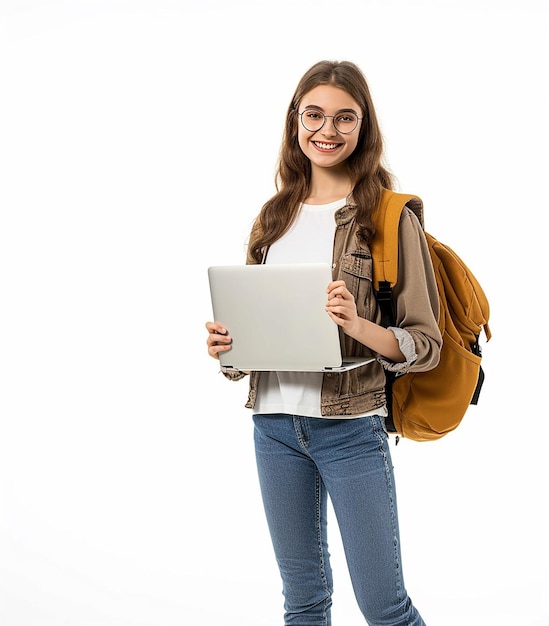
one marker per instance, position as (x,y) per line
(329,130)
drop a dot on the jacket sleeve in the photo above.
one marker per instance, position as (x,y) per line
(233,374)
(415,301)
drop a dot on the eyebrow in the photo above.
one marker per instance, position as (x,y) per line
(315,106)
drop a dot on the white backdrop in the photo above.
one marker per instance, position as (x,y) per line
(129,162)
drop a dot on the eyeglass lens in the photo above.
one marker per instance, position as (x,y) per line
(344,122)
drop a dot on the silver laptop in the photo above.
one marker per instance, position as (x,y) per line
(276,317)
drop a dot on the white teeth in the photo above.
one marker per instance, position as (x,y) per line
(326,146)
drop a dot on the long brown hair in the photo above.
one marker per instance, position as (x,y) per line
(293,175)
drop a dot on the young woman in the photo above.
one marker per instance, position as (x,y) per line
(319,435)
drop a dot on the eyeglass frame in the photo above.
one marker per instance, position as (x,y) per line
(342,132)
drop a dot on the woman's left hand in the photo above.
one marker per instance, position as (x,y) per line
(341,307)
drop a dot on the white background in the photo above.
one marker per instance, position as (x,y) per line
(131,158)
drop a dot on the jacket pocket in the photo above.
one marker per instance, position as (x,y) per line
(356,270)
(358,264)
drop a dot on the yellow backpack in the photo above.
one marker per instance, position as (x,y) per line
(427,405)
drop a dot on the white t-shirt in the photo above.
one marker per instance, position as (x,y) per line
(309,240)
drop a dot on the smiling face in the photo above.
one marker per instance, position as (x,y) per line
(328,147)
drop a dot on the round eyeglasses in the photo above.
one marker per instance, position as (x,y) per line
(345,122)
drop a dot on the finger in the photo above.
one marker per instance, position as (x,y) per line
(218,339)
(216,327)
(338,301)
(336,318)
(342,293)
(335,294)
(337,286)
(216,331)
(215,339)
(215,349)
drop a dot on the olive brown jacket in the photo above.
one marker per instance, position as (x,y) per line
(416,306)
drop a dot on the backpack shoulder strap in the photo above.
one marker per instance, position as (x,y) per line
(384,245)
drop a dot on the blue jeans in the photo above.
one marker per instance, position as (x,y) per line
(300,461)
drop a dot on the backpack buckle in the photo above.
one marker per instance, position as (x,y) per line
(384,297)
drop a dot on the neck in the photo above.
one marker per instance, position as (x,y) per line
(328,185)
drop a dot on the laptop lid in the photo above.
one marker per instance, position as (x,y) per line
(276,317)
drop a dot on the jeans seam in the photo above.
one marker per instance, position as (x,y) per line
(382,438)
(299,424)
(302,434)
(318,484)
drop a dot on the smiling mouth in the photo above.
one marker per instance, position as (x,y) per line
(326,146)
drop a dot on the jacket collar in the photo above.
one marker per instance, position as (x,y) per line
(345,214)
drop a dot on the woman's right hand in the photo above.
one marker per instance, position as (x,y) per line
(219,339)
